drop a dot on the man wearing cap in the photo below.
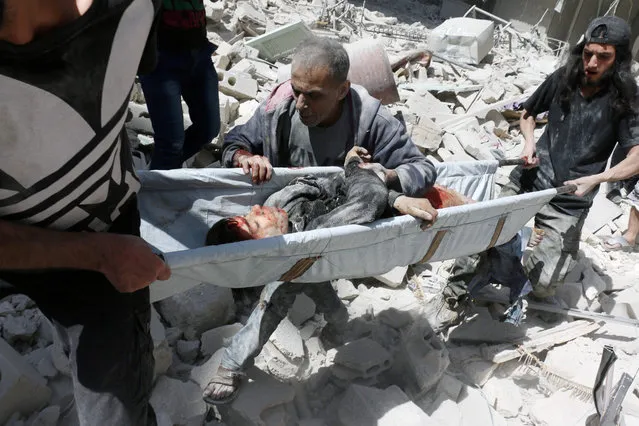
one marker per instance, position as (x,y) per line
(591,105)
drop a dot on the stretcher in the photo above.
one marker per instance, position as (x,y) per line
(179,206)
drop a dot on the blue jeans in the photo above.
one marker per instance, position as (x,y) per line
(192,76)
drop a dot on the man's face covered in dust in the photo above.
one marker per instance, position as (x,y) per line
(317,95)
(598,63)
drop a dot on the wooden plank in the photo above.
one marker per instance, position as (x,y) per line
(541,341)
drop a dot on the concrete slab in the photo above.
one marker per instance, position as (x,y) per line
(288,341)
(216,338)
(345,289)
(365,406)
(393,278)
(281,42)
(364,355)
(22,389)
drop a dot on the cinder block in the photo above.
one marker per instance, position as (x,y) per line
(464,39)
(395,277)
(22,389)
(281,42)
(366,356)
(238,86)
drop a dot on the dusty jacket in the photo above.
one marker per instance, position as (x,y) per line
(268,133)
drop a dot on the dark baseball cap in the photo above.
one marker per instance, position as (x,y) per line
(608,30)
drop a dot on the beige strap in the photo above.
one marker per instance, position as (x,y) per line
(497,233)
(299,268)
(434,246)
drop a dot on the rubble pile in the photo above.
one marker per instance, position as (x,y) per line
(458,104)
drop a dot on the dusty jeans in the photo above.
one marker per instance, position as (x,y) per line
(275,301)
(548,263)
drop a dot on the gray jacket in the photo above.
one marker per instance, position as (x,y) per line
(268,132)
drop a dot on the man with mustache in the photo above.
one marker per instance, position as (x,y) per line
(314,120)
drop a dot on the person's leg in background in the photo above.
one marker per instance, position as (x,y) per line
(554,256)
(200,92)
(163,90)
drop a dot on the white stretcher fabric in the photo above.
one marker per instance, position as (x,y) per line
(179,206)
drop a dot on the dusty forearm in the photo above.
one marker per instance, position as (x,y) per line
(527,126)
(24,247)
(626,169)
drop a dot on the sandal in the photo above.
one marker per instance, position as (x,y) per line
(617,243)
(224,377)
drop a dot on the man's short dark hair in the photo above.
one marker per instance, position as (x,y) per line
(322,51)
(226,231)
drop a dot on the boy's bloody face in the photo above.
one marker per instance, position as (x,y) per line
(263,222)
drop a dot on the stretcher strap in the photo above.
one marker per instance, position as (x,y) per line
(299,268)
(434,246)
(497,233)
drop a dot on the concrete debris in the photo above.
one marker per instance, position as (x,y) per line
(22,389)
(182,401)
(364,406)
(215,339)
(345,289)
(198,309)
(458,86)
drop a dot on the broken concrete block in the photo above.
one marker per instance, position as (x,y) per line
(237,85)
(471,140)
(423,356)
(365,356)
(188,350)
(443,412)
(221,62)
(364,406)
(469,359)
(246,14)
(450,386)
(246,111)
(345,289)
(215,10)
(229,108)
(202,374)
(303,309)
(603,211)
(504,396)
(476,410)
(451,143)
(281,42)
(592,283)
(561,408)
(428,106)
(215,339)
(181,400)
(493,92)
(426,134)
(19,328)
(463,39)
(288,341)
(393,278)
(198,309)
(260,393)
(22,389)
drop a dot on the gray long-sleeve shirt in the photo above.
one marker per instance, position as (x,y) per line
(270,133)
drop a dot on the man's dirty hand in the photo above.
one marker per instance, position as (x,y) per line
(419,208)
(128,262)
(357,151)
(528,154)
(259,167)
(585,184)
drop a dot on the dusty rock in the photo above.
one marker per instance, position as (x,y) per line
(182,401)
(345,289)
(188,350)
(288,341)
(217,338)
(504,396)
(364,356)
(198,309)
(303,309)
(363,406)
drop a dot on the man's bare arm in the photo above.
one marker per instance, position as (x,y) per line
(527,125)
(626,169)
(127,261)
